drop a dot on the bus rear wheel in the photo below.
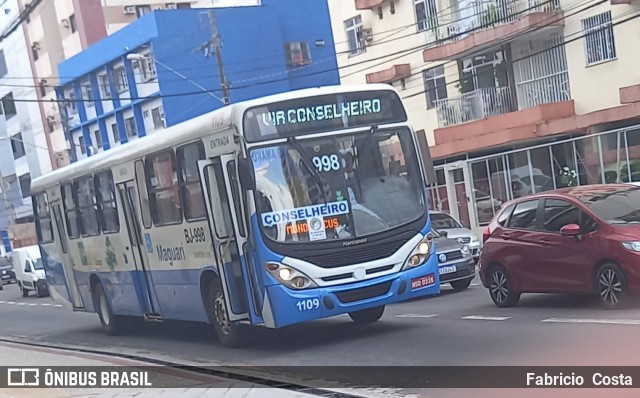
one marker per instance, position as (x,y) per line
(112,324)
(367,316)
(227,331)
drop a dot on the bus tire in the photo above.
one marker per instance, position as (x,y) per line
(227,332)
(112,324)
(369,315)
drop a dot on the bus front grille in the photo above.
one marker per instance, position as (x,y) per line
(364,293)
(356,254)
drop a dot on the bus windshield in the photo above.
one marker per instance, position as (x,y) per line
(338,187)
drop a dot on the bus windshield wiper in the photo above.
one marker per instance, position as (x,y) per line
(317,177)
(367,141)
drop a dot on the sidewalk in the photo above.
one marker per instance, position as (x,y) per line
(192,385)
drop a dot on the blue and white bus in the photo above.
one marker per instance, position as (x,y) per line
(274,211)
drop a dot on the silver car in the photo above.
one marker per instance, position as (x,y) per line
(455,262)
(453,229)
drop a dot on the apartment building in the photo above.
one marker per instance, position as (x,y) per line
(133,82)
(120,13)
(514,96)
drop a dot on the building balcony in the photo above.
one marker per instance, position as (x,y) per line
(390,75)
(485,24)
(368,4)
(489,117)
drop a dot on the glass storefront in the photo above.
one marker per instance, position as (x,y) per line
(609,157)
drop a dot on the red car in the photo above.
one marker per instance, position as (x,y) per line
(572,240)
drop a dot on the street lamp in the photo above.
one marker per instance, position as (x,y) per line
(140,57)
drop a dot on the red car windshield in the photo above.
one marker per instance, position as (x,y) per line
(619,207)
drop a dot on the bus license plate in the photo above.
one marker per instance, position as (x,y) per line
(427,280)
(447,270)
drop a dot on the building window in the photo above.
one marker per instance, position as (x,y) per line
(3,65)
(392,7)
(158,118)
(17,146)
(190,187)
(184,6)
(83,148)
(73,25)
(72,107)
(435,85)
(130,125)
(143,10)
(103,82)
(148,69)
(120,79)
(25,185)
(163,188)
(8,106)
(297,53)
(98,139)
(426,14)
(353,28)
(115,132)
(87,96)
(599,42)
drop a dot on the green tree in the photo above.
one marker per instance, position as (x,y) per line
(635,171)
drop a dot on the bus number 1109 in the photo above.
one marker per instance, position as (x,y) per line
(308,305)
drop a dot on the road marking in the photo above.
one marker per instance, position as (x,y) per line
(58,305)
(46,305)
(599,321)
(486,318)
(21,303)
(10,302)
(416,316)
(475,284)
(32,305)
(2,302)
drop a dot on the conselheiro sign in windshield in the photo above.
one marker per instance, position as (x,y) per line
(323,113)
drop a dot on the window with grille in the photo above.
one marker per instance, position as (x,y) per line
(297,54)
(435,85)
(355,38)
(599,42)
(426,14)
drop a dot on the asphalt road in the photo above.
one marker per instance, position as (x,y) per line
(454,329)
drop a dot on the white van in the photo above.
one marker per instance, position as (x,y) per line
(29,269)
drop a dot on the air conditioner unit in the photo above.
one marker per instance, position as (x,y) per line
(129,9)
(65,23)
(171,6)
(367,35)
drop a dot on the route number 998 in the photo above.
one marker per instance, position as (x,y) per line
(308,305)
(327,162)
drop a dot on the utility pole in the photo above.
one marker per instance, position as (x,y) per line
(215,39)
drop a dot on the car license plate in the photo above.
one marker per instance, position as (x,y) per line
(6,276)
(447,270)
(423,281)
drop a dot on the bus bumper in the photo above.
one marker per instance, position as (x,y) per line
(289,307)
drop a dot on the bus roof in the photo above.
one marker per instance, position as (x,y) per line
(200,126)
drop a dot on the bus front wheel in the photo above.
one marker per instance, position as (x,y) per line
(112,324)
(227,331)
(367,316)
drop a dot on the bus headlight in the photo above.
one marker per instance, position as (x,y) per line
(290,277)
(420,254)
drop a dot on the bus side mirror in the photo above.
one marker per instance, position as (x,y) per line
(246,174)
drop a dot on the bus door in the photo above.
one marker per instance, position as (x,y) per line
(227,234)
(135,248)
(65,257)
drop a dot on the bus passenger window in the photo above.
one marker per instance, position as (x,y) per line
(85,190)
(71,211)
(44,227)
(162,184)
(106,196)
(219,200)
(145,210)
(190,188)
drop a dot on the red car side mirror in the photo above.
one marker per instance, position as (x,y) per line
(571,230)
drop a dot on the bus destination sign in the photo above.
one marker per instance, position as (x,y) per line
(322,113)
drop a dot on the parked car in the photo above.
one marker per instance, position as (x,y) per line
(572,240)
(455,263)
(444,222)
(6,271)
